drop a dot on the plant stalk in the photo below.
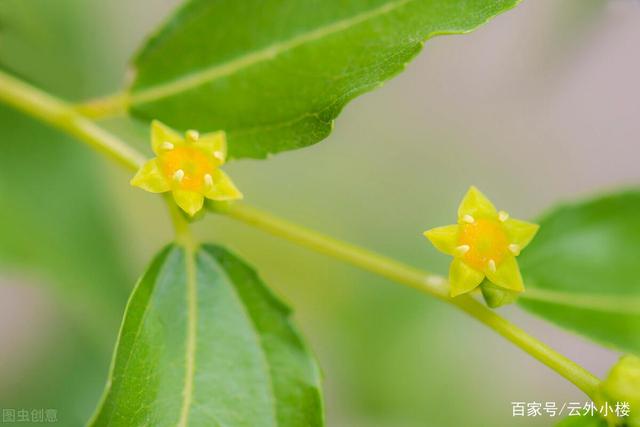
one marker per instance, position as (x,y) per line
(414,278)
(63,116)
(100,108)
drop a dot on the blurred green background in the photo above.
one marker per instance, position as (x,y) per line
(537,107)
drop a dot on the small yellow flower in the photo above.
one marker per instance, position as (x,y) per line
(187,166)
(484,243)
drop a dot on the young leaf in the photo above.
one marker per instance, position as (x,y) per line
(203,342)
(275,74)
(582,269)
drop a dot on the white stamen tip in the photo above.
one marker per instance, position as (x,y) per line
(218,155)
(178,175)
(193,135)
(167,145)
(503,216)
(468,219)
(515,249)
(492,265)
(208,180)
(463,249)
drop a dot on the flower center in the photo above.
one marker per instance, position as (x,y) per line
(486,241)
(188,167)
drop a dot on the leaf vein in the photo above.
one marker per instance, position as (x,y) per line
(192,324)
(605,303)
(213,73)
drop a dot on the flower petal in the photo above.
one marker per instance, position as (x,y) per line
(445,239)
(189,201)
(160,134)
(222,188)
(476,204)
(520,232)
(507,275)
(214,142)
(463,278)
(150,178)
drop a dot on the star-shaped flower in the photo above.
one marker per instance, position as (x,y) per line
(484,243)
(187,166)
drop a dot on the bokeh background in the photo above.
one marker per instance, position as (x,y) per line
(539,106)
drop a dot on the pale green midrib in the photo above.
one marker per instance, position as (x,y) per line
(259,343)
(192,324)
(213,73)
(606,303)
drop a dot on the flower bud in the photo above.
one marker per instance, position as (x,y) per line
(622,385)
(496,296)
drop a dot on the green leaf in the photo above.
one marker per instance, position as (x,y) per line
(582,421)
(203,342)
(582,270)
(275,73)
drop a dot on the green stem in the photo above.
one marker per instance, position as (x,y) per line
(393,270)
(417,279)
(61,115)
(184,236)
(64,117)
(108,106)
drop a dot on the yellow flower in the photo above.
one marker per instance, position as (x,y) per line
(484,243)
(187,166)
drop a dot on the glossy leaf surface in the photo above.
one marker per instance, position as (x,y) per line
(204,343)
(582,269)
(275,74)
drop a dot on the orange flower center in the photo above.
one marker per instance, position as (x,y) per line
(187,167)
(486,241)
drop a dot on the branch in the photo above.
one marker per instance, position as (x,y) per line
(63,116)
